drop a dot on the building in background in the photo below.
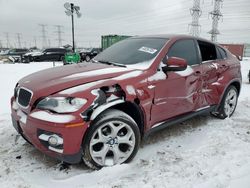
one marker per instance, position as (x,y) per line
(236,49)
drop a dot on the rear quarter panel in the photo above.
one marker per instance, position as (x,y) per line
(231,74)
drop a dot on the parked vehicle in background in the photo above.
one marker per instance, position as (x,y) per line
(88,54)
(108,40)
(3,51)
(50,54)
(100,111)
(15,54)
(28,57)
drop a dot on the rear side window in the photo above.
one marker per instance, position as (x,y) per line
(208,51)
(62,50)
(21,50)
(184,49)
(222,52)
(50,50)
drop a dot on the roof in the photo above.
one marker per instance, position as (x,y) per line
(172,36)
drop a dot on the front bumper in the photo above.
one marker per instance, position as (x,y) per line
(31,128)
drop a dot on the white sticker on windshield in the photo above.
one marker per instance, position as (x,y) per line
(148,50)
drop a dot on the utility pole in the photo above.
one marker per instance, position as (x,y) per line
(59,34)
(70,10)
(19,39)
(195,12)
(7,39)
(216,15)
(44,36)
(73,26)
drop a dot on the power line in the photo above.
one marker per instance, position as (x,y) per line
(216,15)
(44,36)
(59,34)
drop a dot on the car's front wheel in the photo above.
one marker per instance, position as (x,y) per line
(228,103)
(112,139)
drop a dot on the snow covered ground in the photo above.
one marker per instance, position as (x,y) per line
(203,152)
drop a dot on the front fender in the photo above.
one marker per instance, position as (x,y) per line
(103,107)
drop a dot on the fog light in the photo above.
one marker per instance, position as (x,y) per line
(53,141)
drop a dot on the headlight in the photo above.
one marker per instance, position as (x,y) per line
(61,104)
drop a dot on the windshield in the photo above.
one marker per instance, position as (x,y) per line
(132,51)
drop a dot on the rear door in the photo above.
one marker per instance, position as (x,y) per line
(179,92)
(213,64)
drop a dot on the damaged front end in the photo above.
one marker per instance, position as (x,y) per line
(106,97)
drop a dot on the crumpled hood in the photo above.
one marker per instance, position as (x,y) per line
(53,80)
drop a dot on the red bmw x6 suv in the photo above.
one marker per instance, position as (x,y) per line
(99,111)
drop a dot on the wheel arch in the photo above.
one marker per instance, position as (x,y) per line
(134,111)
(130,108)
(236,83)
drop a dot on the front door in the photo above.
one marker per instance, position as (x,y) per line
(179,92)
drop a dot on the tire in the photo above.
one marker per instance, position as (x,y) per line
(87,58)
(228,103)
(61,58)
(113,138)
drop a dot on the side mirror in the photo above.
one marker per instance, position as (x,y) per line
(175,64)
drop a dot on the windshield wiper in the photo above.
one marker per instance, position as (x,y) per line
(110,63)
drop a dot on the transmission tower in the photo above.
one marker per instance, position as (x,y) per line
(59,34)
(35,41)
(195,12)
(19,39)
(7,39)
(44,36)
(216,15)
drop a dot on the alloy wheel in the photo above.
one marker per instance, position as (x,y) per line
(112,143)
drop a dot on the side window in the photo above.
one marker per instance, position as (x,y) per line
(219,56)
(223,53)
(48,50)
(52,50)
(184,49)
(62,50)
(208,51)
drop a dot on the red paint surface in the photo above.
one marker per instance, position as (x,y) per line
(159,99)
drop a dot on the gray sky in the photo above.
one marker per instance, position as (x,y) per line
(126,17)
